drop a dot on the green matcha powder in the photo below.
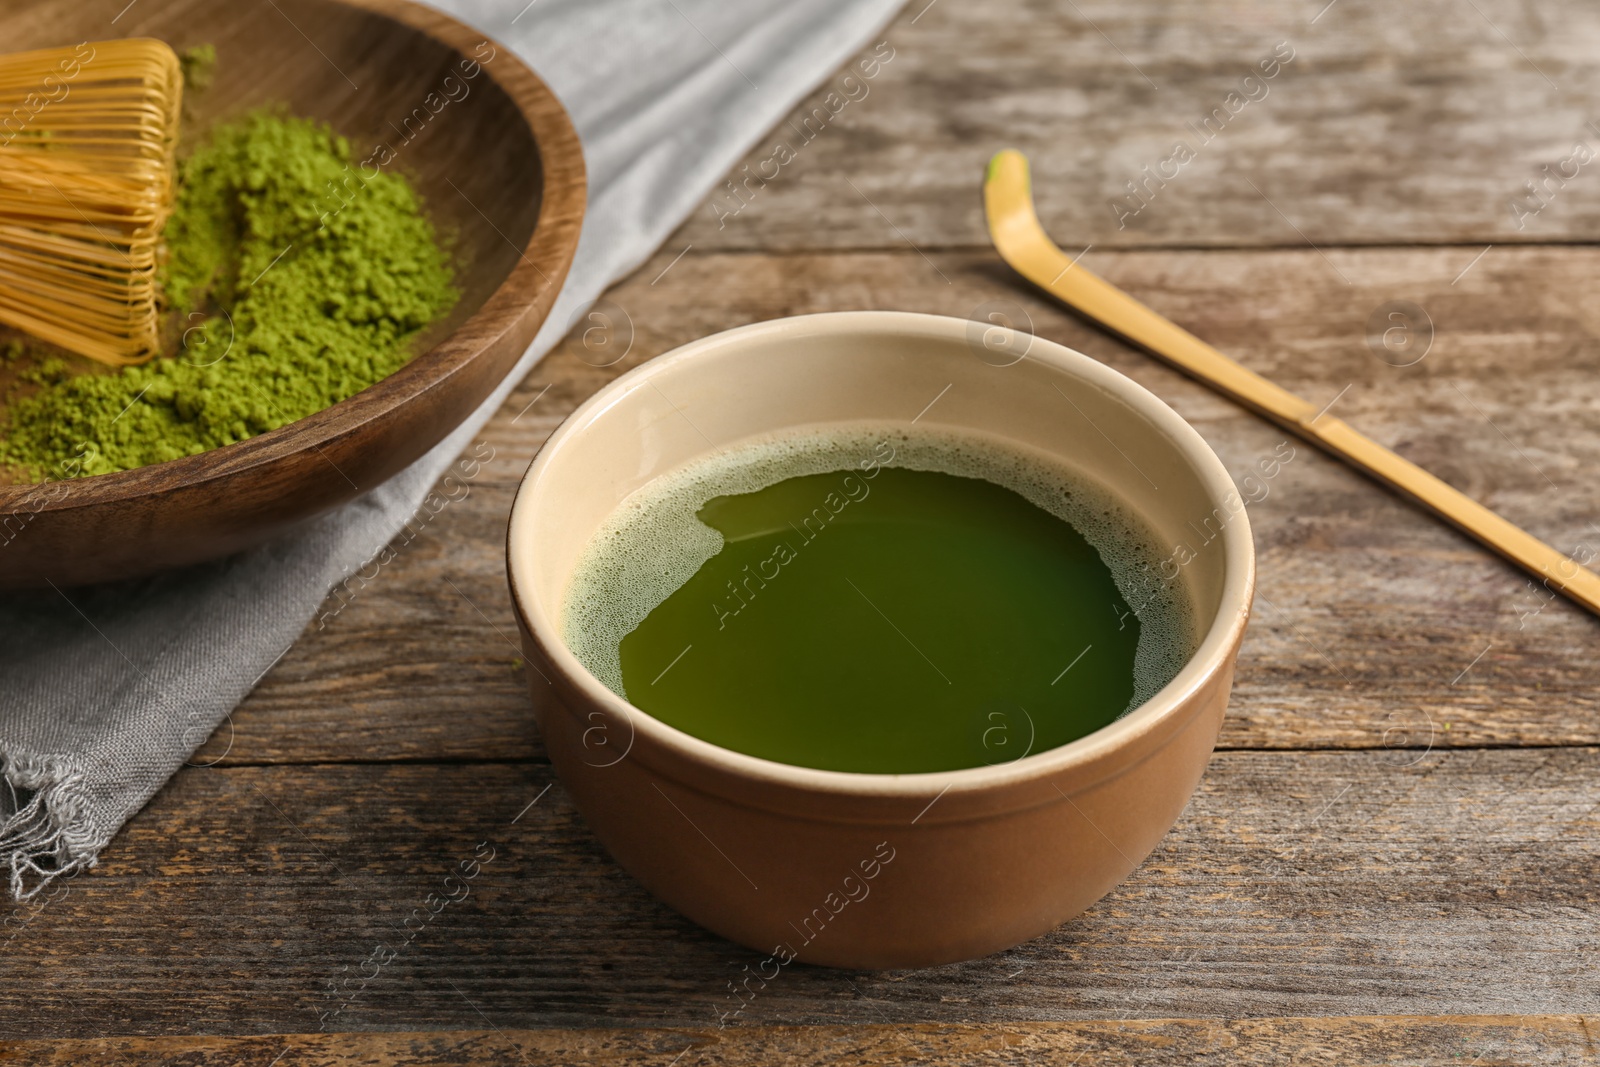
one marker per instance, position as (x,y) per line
(295,281)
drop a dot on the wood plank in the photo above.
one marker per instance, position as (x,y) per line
(1393,124)
(272,899)
(1370,612)
(1412,1041)
(1421,875)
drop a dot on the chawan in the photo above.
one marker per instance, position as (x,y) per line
(866,870)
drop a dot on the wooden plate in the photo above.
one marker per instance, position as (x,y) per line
(499,167)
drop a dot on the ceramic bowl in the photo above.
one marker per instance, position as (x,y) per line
(876,870)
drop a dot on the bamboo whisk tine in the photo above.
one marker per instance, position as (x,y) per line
(87,135)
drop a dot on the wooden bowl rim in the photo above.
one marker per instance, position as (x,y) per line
(544,257)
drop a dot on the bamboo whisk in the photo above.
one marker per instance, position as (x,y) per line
(87,135)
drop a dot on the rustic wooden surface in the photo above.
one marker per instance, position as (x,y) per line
(1392,860)
(1395,124)
(1418,1041)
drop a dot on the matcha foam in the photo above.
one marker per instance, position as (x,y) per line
(654,542)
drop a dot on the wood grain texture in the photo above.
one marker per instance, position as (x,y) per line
(1023,244)
(1406,1041)
(1370,610)
(514,214)
(1411,123)
(1425,870)
(271,899)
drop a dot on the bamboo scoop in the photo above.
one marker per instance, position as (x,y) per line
(1015,229)
(87,135)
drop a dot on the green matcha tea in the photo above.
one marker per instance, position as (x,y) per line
(875,600)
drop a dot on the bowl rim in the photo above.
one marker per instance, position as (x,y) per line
(1144,728)
(542,263)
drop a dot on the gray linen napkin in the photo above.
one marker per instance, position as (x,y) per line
(105,692)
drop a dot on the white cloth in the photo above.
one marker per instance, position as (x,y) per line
(105,692)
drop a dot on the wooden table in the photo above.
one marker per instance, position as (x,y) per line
(1392,858)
